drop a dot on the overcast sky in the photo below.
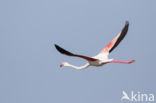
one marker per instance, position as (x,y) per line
(29,62)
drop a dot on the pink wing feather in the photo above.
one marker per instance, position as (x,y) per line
(110,45)
(114,43)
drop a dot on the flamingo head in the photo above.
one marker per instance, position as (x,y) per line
(63,64)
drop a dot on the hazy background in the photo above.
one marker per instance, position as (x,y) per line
(29,63)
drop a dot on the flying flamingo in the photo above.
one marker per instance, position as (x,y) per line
(102,57)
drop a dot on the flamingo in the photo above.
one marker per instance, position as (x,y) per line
(101,58)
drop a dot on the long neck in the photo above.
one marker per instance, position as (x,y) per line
(76,67)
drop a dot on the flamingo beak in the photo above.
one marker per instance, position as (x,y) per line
(61,65)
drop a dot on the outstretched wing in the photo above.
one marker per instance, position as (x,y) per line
(65,52)
(115,42)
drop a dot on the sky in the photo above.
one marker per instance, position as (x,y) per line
(29,62)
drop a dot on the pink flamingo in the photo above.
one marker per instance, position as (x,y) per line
(102,57)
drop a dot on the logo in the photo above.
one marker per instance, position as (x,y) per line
(137,97)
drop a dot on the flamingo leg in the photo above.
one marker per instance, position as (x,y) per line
(125,62)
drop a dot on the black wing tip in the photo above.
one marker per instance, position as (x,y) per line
(58,48)
(55,45)
(126,23)
(63,51)
(125,29)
